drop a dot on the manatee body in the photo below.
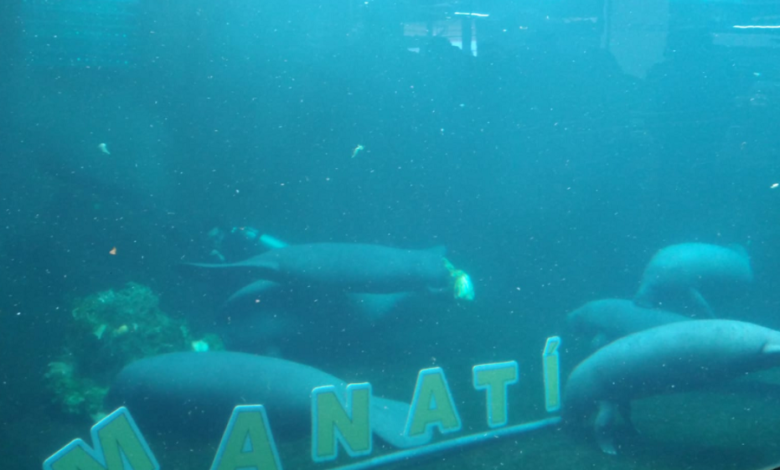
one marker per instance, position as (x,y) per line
(194,393)
(373,307)
(608,319)
(262,294)
(687,273)
(357,268)
(270,318)
(268,332)
(677,357)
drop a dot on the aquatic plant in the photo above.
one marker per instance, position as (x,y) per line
(111,329)
(76,395)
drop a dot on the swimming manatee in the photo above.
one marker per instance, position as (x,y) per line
(262,294)
(373,307)
(194,393)
(686,274)
(605,320)
(269,318)
(357,268)
(677,357)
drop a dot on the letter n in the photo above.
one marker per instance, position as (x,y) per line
(333,423)
(432,405)
(247,443)
(118,443)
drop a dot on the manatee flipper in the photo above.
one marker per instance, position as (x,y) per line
(388,421)
(700,303)
(771,349)
(249,294)
(605,426)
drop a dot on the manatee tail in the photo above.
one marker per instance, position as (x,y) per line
(254,262)
(259,266)
(388,421)
(231,275)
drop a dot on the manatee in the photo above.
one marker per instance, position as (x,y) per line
(357,268)
(372,307)
(682,274)
(677,357)
(608,319)
(269,318)
(280,326)
(194,393)
(268,332)
(263,294)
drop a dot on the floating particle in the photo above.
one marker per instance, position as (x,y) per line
(113,251)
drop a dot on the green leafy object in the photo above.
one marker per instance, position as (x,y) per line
(111,329)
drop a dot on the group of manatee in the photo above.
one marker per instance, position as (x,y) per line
(641,348)
(195,392)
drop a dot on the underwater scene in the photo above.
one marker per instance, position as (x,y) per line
(355,234)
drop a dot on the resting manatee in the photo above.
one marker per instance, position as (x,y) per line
(606,320)
(196,392)
(355,268)
(683,271)
(677,357)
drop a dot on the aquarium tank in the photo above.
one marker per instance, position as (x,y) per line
(359,234)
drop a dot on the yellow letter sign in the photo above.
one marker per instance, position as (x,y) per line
(118,443)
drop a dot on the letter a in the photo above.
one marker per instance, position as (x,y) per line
(247,442)
(432,405)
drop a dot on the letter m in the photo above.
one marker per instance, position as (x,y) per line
(118,446)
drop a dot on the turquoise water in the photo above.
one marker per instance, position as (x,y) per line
(552,158)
